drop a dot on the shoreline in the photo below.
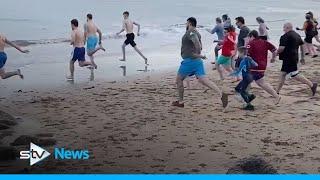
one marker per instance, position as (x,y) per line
(129,126)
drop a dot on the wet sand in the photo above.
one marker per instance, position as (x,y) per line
(128,126)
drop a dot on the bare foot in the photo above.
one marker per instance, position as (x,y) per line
(19,73)
(102,48)
(278,100)
(70,78)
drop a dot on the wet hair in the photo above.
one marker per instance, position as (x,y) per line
(225,17)
(260,20)
(243,50)
(192,21)
(254,34)
(89,16)
(218,20)
(126,13)
(240,19)
(75,22)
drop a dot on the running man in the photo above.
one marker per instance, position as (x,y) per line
(242,39)
(289,54)
(79,52)
(3,58)
(244,31)
(226,21)
(219,30)
(263,29)
(90,35)
(128,27)
(192,63)
(258,51)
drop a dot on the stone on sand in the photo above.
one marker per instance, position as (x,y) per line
(252,165)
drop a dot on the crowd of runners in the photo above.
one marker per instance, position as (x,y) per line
(243,56)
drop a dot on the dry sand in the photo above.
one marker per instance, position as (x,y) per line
(130,127)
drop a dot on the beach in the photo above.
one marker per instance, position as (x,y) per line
(129,126)
(122,114)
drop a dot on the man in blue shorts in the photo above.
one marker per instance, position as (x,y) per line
(79,52)
(90,34)
(192,63)
(3,58)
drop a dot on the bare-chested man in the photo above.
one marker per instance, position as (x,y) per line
(90,34)
(79,52)
(3,58)
(128,27)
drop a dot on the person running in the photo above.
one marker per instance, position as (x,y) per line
(90,35)
(3,58)
(228,50)
(263,29)
(310,30)
(316,27)
(226,21)
(289,54)
(242,40)
(192,63)
(219,30)
(79,52)
(258,50)
(247,63)
(128,27)
(244,31)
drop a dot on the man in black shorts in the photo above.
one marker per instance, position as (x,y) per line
(128,27)
(289,54)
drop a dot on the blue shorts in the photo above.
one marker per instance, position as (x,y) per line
(79,54)
(3,59)
(190,67)
(92,43)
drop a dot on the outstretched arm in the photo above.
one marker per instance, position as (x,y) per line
(123,28)
(16,46)
(100,35)
(137,24)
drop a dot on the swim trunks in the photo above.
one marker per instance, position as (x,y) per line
(79,54)
(3,59)
(223,60)
(191,67)
(92,42)
(130,40)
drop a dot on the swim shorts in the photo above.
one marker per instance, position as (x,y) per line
(130,40)
(92,42)
(223,60)
(79,54)
(3,59)
(190,67)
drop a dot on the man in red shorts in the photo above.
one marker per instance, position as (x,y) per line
(258,51)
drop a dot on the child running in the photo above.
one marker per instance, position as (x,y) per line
(228,50)
(3,58)
(246,63)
